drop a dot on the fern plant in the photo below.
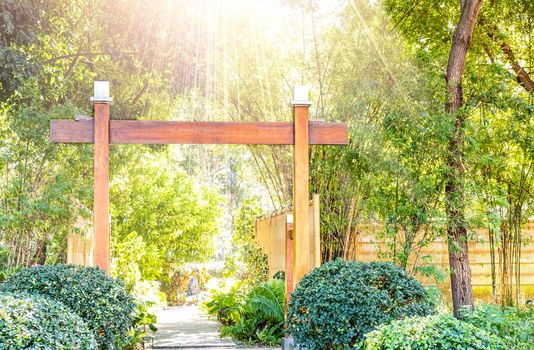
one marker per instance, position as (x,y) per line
(226,306)
(260,317)
(268,298)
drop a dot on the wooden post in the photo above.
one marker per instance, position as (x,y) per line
(103,132)
(316,230)
(101,176)
(289,258)
(301,214)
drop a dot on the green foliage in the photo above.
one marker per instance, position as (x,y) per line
(143,322)
(256,317)
(226,305)
(127,255)
(102,302)
(248,260)
(161,219)
(39,205)
(514,326)
(35,322)
(16,26)
(255,261)
(50,52)
(5,269)
(391,170)
(280,275)
(336,304)
(496,143)
(432,333)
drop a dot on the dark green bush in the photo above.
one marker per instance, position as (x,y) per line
(280,275)
(35,322)
(336,304)
(432,333)
(101,301)
(515,327)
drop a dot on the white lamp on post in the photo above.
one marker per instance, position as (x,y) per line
(101,92)
(300,96)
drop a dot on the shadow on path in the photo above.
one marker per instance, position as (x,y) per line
(187,327)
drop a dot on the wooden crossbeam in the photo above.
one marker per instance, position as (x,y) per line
(102,132)
(178,132)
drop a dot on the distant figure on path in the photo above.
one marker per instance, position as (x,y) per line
(193,288)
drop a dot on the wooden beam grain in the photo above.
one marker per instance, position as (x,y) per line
(163,132)
(101,187)
(71,131)
(176,132)
(301,219)
(290,260)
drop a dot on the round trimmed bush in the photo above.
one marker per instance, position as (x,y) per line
(101,301)
(432,332)
(336,304)
(35,322)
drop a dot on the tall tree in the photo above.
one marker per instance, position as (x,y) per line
(462,295)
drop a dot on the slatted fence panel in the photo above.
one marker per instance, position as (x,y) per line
(367,247)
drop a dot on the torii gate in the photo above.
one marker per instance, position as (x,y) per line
(102,132)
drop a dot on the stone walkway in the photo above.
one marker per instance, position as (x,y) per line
(186,327)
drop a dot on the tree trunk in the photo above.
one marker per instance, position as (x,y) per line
(462,295)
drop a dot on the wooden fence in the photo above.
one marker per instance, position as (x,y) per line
(270,231)
(80,249)
(366,247)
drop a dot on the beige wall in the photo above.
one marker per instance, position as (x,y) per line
(80,246)
(270,233)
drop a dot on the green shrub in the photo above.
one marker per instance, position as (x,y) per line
(261,317)
(432,333)
(280,275)
(144,322)
(6,271)
(515,327)
(256,317)
(34,322)
(101,301)
(336,304)
(226,306)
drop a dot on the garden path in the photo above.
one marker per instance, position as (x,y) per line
(187,327)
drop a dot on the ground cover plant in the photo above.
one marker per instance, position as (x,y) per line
(336,304)
(514,326)
(440,332)
(36,322)
(143,323)
(253,317)
(101,301)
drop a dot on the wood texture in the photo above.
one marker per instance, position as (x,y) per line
(71,131)
(101,187)
(366,247)
(176,132)
(301,241)
(289,263)
(270,232)
(316,232)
